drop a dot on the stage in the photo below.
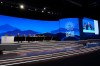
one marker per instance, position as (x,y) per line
(38,51)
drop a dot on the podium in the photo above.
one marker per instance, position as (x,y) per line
(7,39)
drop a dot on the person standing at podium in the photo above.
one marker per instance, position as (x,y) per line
(18,37)
(24,37)
(29,38)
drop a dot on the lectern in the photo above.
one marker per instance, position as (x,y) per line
(7,39)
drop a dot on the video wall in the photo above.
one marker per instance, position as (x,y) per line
(66,27)
(13,25)
(90,26)
(70,26)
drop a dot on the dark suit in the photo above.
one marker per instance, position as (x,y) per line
(29,38)
(19,38)
(89,26)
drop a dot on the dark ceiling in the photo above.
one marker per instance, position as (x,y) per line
(55,9)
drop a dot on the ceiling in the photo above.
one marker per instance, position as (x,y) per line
(57,8)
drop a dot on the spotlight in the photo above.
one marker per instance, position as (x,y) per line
(42,11)
(1,2)
(49,12)
(44,8)
(22,6)
(52,12)
(35,9)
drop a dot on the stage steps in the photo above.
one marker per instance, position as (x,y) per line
(39,58)
(40,49)
(42,46)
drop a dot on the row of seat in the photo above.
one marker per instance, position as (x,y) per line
(41,46)
(39,58)
(44,47)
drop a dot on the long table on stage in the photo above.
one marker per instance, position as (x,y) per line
(41,38)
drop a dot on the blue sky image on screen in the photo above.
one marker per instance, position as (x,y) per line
(70,25)
(13,25)
(86,27)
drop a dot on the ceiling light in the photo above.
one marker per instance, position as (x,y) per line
(22,6)
(49,12)
(1,2)
(44,8)
(42,11)
(35,9)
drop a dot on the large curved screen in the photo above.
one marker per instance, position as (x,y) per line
(63,27)
(13,25)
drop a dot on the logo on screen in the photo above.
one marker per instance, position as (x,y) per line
(69,26)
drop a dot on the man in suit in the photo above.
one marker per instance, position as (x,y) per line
(29,38)
(89,26)
(18,37)
(24,37)
(84,26)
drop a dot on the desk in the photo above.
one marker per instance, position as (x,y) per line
(41,38)
(12,39)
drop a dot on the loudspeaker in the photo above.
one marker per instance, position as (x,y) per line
(1,52)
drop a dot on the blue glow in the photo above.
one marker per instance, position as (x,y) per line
(28,24)
(70,25)
(86,28)
(90,27)
(13,25)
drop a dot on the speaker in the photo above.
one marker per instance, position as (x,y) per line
(1,52)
